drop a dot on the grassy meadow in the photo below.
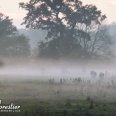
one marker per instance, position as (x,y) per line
(39,97)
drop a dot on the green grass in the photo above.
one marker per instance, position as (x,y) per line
(38,98)
(59,107)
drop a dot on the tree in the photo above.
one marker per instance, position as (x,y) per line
(6,26)
(73,29)
(60,18)
(14,46)
(99,45)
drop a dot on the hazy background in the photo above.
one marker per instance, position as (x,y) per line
(11,8)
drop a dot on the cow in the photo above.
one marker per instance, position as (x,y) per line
(93,74)
(101,75)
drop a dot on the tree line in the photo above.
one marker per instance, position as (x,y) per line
(11,43)
(74,31)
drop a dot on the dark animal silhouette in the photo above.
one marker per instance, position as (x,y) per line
(93,74)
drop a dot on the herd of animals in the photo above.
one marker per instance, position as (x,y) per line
(93,75)
(101,86)
(101,74)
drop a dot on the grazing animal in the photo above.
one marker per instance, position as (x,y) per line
(101,75)
(93,74)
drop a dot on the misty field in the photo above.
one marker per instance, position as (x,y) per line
(61,97)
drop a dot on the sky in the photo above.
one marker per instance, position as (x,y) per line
(11,9)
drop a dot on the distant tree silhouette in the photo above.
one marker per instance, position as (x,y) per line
(6,26)
(14,46)
(72,28)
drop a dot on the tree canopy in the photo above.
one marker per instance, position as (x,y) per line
(73,29)
(6,26)
(14,46)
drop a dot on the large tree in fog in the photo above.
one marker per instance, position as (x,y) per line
(6,26)
(62,20)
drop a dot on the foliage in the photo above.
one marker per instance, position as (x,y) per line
(99,45)
(73,29)
(6,26)
(14,46)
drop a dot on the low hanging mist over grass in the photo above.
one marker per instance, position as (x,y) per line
(57,88)
(62,64)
